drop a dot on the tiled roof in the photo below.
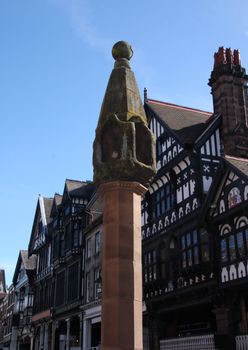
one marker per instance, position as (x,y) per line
(28,262)
(48,202)
(79,188)
(187,123)
(58,198)
(239,163)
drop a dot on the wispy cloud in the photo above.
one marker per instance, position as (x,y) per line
(81,19)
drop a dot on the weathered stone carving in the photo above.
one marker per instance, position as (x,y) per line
(124,147)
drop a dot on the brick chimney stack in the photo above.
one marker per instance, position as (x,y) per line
(229,89)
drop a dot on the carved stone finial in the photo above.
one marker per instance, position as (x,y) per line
(124,147)
(122,49)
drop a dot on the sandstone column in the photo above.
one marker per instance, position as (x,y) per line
(122,274)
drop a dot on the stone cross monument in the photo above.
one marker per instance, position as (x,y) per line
(124,163)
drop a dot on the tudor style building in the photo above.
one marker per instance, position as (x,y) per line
(57,241)
(69,218)
(195,214)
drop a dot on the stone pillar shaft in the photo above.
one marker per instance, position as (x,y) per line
(121,270)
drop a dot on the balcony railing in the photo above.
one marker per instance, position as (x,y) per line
(242,342)
(204,342)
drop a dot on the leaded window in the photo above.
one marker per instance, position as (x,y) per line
(223,248)
(150,266)
(88,248)
(68,236)
(75,234)
(97,242)
(73,281)
(62,244)
(97,283)
(234,245)
(60,288)
(55,246)
(232,250)
(163,200)
(190,249)
(88,287)
(204,240)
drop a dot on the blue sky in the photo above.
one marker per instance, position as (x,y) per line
(54,66)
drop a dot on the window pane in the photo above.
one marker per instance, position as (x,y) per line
(162,193)
(195,237)
(154,256)
(189,257)
(97,242)
(205,252)
(167,202)
(145,259)
(204,236)
(184,259)
(154,271)
(162,206)
(232,250)
(88,255)
(158,209)
(150,273)
(246,238)
(188,240)
(240,243)
(223,250)
(146,276)
(183,242)
(196,255)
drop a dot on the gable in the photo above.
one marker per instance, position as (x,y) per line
(186,123)
(167,144)
(232,192)
(39,229)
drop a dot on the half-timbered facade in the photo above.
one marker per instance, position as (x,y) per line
(69,218)
(22,335)
(194,215)
(178,268)
(40,244)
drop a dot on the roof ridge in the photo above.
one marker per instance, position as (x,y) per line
(236,158)
(179,106)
